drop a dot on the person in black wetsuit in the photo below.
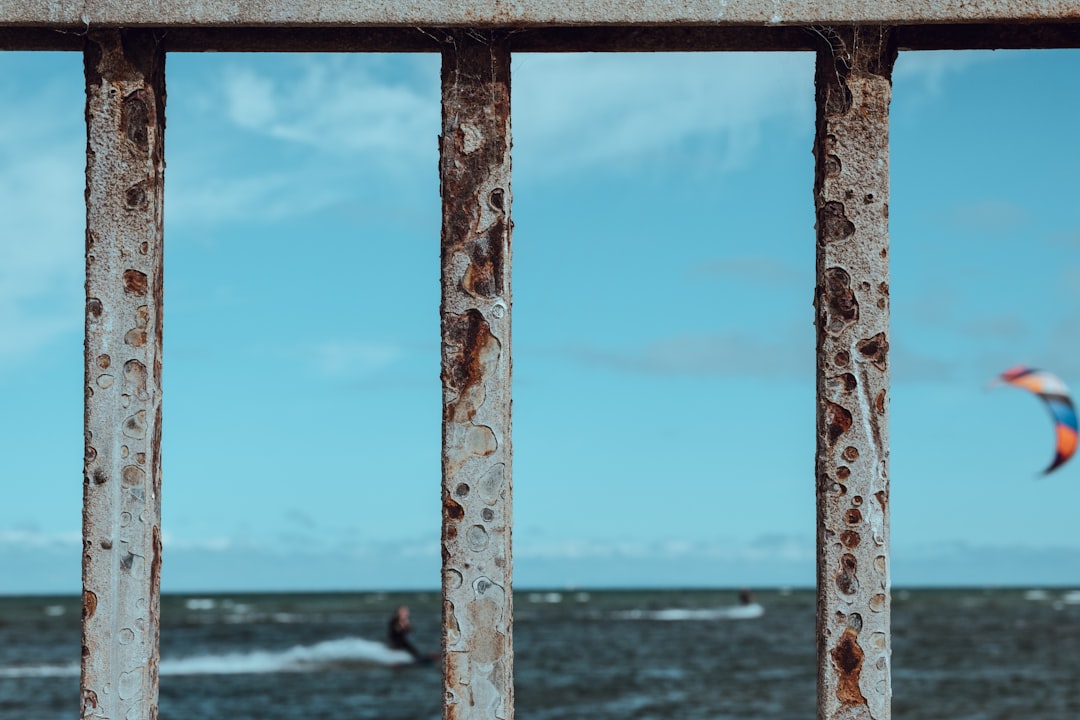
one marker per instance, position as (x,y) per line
(399,629)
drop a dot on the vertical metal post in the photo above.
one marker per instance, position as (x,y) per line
(851,193)
(474,168)
(125,112)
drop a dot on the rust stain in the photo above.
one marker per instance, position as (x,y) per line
(486,643)
(471,352)
(137,197)
(135,282)
(451,509)
(484,275)
(136,118)
(844,383)
(847,580)
(89,605)
(850,539)
(155,577)
(840,306)
(89,702)
(837,420)
(847,657)
(136,337)
(834,223)
(879,402)
(875,349)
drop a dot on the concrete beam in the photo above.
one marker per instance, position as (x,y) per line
(474,175)
(125,164)
(851,193)
(515,14)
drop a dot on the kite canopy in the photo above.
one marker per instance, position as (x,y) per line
(1052,390)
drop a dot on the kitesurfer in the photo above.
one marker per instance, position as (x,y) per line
(399,629)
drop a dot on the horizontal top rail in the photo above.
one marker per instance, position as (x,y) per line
(608,38)
(523,13)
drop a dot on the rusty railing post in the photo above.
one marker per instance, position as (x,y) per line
(125,112)
(474,170)
(851,191)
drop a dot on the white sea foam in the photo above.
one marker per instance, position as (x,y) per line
(36,671)
(731,612)
(301,658)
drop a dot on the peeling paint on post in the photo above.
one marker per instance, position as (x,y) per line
(474,169)
(125,110)
(852,306)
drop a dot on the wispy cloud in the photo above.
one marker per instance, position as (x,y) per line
(255,199)
(929,70)
(757,270)
(579,111)
(42,157)
(341,358)
(570,111)
(14,539)
(764,548)
(989,217)
(1004,327)
(713,354)
(337,104)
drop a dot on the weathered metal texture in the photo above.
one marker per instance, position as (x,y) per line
(125,110)
(522,13)
(474,170)
(851,189)
(607,38)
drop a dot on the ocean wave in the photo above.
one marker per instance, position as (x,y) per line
(732,612)
(301,658)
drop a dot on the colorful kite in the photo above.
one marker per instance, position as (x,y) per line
(1056,396)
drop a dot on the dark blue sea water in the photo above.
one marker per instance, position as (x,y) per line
(604,655)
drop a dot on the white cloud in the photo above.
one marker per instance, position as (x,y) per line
(345,358)
(219,544)
(762,270)
(762,549)
(336,104)
(578,111)
(38,540)
(570,111)
(715,354)
(931,68)
(42,220)
(262,198)
(989,217)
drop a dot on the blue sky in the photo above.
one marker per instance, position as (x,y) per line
(663,337)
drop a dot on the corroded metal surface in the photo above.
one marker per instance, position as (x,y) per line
(608,38)
(125,108)
(474,169)
(523,13)
(851,191)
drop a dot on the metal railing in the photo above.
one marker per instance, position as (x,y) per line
(124,46)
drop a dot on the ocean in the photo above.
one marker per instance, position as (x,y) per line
(969,654)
